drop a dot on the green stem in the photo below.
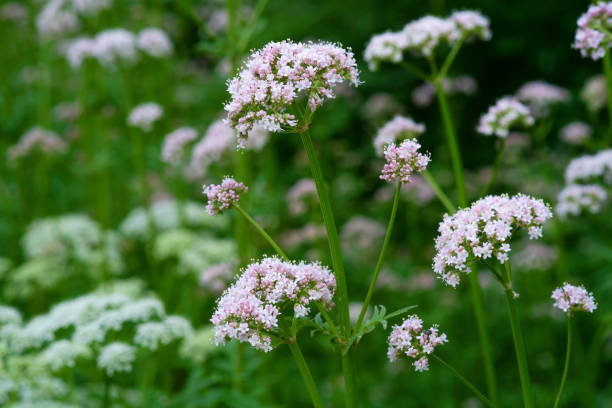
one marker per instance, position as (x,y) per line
(607,68)
(567,361)
(439,192)
(238,366)
(517,336)
(451,139)
(317,402)
(381,256)
(483,336)
(262,232)
(450,58)
(498,160)
(328,319)
(332,233)
(107,399)
(477,302)
(336,257)
(414,71)
(465,381)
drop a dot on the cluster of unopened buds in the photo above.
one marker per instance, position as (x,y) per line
(570,298)
(223,196)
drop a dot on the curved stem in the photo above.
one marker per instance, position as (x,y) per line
(496,164)
(338,266)
(414,70)
(262,232)
(328,319)
(567,361)
(607,68)
(439,192)
(317,402)
(381,256)
(451,139)
(465,381)
(519,344)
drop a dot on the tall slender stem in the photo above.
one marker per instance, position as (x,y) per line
(317,402)
(336,257)
(451,139)
(439,192)
(607,68)
(381,256)
(465,381)
(477,302)
(519,344)
(483,336)
(262,232)
(496,164)
(567,361)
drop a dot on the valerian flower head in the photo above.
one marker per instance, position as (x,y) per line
(144,115)
(577,198)
(154,42)
(302,193)
(36,139)
(403,160)
(250,309)
(424,35)
(483,231)
(593,36)
(175,143)
(506,114)
(223,196)
(115,46)
(575,133)
(398,128)
(539,95)
(590,167)
(570,298)
(594,93)
(411,340)
(277,75)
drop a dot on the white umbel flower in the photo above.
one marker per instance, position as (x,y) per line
(117,357)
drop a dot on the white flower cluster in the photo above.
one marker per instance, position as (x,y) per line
(117,46)
(88,321)
(597,167)
(117,357)
(144,115)
(167,215)
(575,199)
(506,114)
(424,35)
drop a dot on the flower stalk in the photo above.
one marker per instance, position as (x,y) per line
(567,360)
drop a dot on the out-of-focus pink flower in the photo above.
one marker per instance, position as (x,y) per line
(506,114)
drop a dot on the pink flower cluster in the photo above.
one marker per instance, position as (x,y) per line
(575,133)
(403,160)
(300,194)
(422,36)
(589,167)
(250,309)
(540,94)
(144,115)
(223,196)
(593,36)
(484,231)
(411,340)
(398,128)
(274,77)
(570,298)
(506,114)
(216,277)
(175,143)
(576,198)
(154,42)
(36,139)
(594,93)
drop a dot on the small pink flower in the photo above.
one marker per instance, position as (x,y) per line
(223,196)
(403,160)
(570,298)
(411,340)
